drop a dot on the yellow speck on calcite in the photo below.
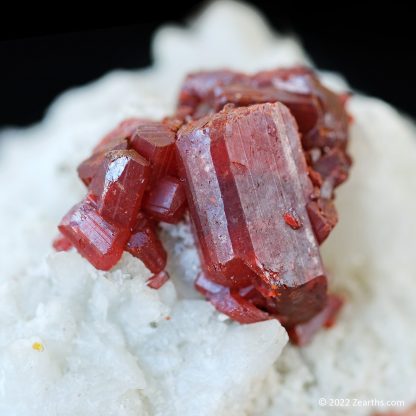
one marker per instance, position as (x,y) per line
(38,346)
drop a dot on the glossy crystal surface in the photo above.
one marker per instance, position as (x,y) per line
(119,185)
(100,241)
(166,201)
(244,169)
(155,141)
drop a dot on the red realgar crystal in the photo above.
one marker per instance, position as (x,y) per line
(166,201)
(101,242)
(260,192)
(243,169)
(301,334)
(61,243)
(158,280)
(119,185)
(156,142)
(89,167)
(117,139)
(319,112)
(146,246)
(230,302)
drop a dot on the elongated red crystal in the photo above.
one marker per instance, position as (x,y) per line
(119,185)
(243,169)
(158,280)
(146,246)
(166,201)
(100,241)
(301,334)
(156,142)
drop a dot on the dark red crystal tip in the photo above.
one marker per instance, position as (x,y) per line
(100,241)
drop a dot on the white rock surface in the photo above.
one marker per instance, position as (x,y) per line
(107,347)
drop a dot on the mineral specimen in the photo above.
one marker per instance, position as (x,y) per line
(257,159)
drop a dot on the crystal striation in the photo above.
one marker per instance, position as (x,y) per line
(119,185)
(244,168)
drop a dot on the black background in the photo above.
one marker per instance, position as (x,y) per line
(372,47)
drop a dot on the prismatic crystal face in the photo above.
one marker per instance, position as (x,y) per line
(248,189)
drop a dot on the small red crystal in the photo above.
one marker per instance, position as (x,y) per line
(89,167)
(323,217)
(292,219)
(331,128)
(100,241)
(158,280)
(119,185)
(146,246)
(333,165)
(156,142)
(117,139)
(61,243)
(241,167)
(230,302)
(301,334)
(166,201)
